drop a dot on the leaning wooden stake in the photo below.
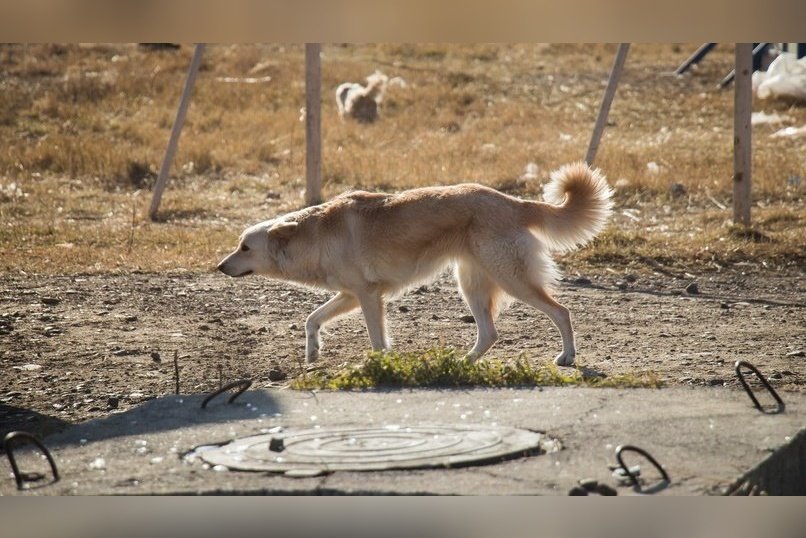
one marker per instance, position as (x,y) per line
(742,157)
(604,109)
(313,124)
(162,179)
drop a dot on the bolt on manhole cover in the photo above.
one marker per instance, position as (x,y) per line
(358,448)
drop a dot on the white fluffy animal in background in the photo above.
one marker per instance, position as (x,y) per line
(785,77)
(362,102)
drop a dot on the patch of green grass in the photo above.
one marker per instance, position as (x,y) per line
(443,368)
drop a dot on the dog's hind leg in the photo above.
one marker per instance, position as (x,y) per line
(375,316)
(338,305)
(559,315)
(522,272)
(481,294)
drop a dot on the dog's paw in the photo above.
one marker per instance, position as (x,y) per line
(565,359)
(470,358)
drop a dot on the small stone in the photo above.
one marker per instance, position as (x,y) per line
(468,319)
(130,319)
(716,382)
(582,281)
(631,278)
(275,374)
(693,289)
(51,301)
(724,306)
(677,189)
(293,327)
(403,308)
(276,444)
(112,402)
(155,356)
(204,327)
(796,353)
(577,491)
(622,285)
(589,484)
(606,491)
(28,367)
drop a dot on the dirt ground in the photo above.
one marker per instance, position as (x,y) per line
(80,347)
(95,298)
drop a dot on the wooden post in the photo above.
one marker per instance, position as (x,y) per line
(604,109)
(313,124)
(742,155)
(179,121)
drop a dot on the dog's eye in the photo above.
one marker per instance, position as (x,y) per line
(244,248)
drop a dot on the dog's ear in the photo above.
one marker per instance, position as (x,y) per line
(283,230)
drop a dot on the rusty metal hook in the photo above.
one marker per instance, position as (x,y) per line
(13,438)
(244,385)
(630,448)
(781,406)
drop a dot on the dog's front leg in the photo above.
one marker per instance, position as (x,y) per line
(375,316)
(338,305)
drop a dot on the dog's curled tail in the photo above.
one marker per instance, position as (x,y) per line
(579,202)
(376,86)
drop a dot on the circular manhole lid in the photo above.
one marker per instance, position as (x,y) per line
(356,448)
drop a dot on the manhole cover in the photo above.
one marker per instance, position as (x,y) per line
(373,449)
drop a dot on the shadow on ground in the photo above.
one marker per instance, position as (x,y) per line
(14,418)
(169,413)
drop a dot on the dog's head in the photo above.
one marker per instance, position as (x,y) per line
(259,249)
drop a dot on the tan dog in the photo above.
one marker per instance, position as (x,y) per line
(371,246)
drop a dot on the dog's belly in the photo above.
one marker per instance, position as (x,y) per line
(401,269)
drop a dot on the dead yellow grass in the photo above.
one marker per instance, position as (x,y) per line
(84,127)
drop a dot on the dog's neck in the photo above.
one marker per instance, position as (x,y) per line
(292,266)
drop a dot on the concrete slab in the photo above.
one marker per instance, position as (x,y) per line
(705,438)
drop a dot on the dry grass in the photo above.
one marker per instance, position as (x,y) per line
(83,130)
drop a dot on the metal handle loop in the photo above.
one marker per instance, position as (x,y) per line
(780,407)
(244,385)
(630,448)
(17,437)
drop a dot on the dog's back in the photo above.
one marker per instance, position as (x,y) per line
(399,240)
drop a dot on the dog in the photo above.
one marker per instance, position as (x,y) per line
(368,247)
(361,102)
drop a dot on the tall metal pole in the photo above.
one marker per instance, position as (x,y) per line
(313,124)
(604,109)
(742,154)
(184,102)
